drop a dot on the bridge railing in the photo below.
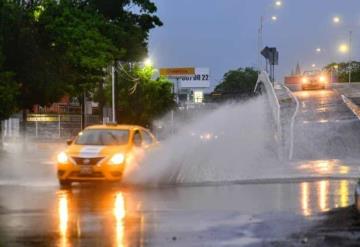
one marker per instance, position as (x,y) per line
(264,85)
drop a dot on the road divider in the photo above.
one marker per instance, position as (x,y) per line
(292,123)
(264,84)
(284,108)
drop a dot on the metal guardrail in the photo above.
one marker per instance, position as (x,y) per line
(264,83)
(292,123)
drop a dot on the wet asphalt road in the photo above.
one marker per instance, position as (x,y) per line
(325,127)
(34,211)
(279,211)
(227,215)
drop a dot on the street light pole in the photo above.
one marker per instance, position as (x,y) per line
(350,57)
(113,93)
(260,42)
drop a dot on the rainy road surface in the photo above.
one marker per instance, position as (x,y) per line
(229,215)
(263,212)
(306,204)
(325,127)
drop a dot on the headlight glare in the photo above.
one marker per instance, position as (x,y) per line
(117,159)
(62,158)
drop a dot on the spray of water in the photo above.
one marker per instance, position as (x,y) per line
(232,143)
(28,163)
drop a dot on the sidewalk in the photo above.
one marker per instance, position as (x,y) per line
(349,90)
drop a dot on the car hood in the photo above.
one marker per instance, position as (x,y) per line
(95,151)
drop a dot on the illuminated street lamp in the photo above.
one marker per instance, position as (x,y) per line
(313,65)
(346,48)
(148,62)
(276,4)
(343,48)
(318,50)
(336,19)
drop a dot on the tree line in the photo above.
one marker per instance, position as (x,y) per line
(341,71)
(52,48)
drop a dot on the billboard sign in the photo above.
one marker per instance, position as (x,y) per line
(177,71)
(188,77)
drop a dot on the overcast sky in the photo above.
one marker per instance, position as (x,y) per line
(222,34)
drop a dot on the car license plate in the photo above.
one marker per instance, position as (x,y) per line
(86,170)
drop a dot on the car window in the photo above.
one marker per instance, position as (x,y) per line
(137,138)
(312,72)
(147,139)
(103,137)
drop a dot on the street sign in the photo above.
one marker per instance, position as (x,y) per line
(271,54)
(201,79)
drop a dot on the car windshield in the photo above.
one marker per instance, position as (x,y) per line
(103,137)
(312,72)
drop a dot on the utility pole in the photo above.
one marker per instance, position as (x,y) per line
(113,93)
(177,91)
(84,110)
(260,42)
(350,57)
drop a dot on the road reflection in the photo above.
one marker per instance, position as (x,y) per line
(104,215)
(63,212)
(119,213)
(324,167)
(305,196)
(322,196)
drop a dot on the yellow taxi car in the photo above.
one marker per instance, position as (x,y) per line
(101,153)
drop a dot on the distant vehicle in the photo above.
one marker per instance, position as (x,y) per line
(205,136)
(101,153)
(314,79)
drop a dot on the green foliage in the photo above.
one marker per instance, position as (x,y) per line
(141,98)
(341,71)
(240,81)
(61,47)
(35,66)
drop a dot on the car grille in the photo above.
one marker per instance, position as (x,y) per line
(87,161)
(92,175)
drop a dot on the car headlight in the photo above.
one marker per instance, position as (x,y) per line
(117,159)
(62,158)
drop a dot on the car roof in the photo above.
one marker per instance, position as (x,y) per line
(315,71)
(115,126)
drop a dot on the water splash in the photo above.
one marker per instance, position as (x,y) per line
(28,163)
(231,143)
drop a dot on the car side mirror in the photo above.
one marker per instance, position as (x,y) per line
(69,142)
